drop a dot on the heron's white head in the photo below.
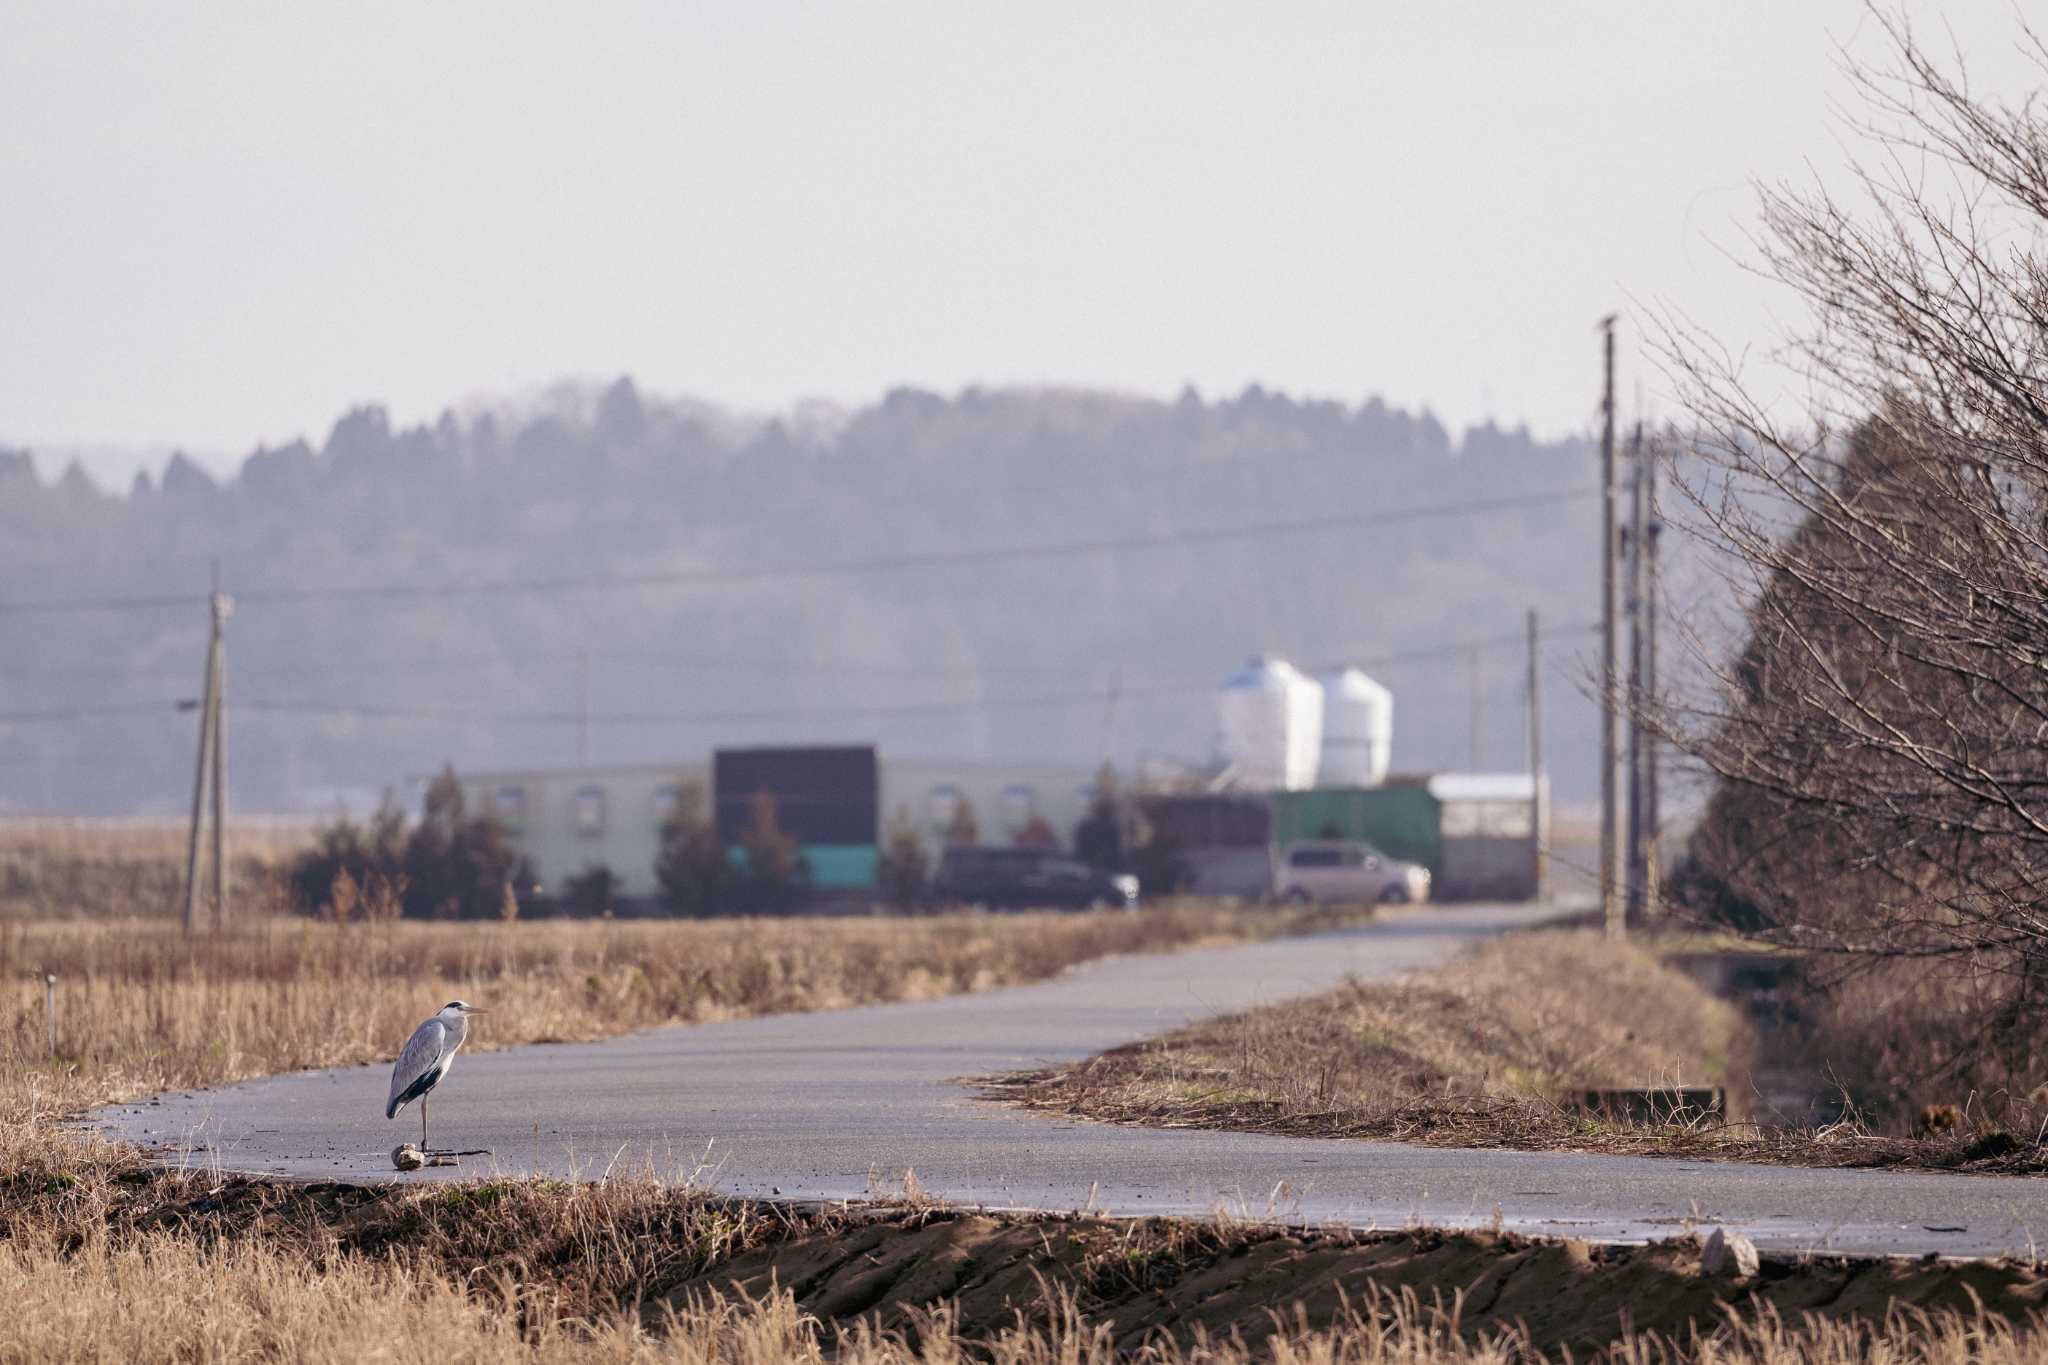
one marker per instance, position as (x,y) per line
(459,1007)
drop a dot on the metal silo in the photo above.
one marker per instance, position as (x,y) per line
(1358,729)
(1270,726)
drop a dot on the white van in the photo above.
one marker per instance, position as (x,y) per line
(1345,871)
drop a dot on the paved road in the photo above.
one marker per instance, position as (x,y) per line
(838,1105)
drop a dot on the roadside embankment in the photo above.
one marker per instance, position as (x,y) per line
(1495,1049)
(104,1257)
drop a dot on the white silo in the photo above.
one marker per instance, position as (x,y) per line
(1358,729)
(1270,726)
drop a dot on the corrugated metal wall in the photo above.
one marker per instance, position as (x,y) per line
(1401,821)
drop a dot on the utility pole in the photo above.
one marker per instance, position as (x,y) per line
(1109,716)
(220,607)
(582,708)
(1535,728)
(211,764)
(1611,907)
(1653,815)
(1638,562)
(1472,665)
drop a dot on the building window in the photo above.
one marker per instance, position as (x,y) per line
(1487,819)
(941,805)
(509,805)
(590,810)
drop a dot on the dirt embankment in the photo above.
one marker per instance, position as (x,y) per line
(123,1259)
(1183,1281)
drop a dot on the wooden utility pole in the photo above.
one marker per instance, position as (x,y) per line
(1535,728)
(211,765)
(1653,815)
(1638,563)
(219,651)
(1611,904)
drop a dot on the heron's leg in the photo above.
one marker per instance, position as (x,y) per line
(423,1125)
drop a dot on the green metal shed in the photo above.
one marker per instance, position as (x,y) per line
(1401,821)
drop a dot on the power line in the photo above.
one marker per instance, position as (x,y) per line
(701,577)
(635,658)
(1090,697)
(631,658)
(90,712)
(571,717)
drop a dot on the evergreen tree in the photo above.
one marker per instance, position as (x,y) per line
(695,873)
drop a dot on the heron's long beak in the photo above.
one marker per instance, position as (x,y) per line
(476,1009)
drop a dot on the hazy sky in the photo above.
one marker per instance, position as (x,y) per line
(225,223)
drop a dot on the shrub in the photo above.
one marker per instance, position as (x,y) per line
(344,847)
(963,830)
(342,895)
(905,866)
(1099,837)
(450,865)
(696,875)
(776,877)
(593,892)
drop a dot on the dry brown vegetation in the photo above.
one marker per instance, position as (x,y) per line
(1874,741)
(110,869)
(102,1257)
(1473,1053)
(1488,1051)
(141,1009)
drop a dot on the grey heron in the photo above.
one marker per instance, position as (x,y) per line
(428,1055)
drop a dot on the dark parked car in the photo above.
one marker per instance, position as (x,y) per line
(1020,877)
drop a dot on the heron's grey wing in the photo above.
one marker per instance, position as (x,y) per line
(422,1054)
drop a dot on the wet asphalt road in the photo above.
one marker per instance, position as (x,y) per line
(839,1105)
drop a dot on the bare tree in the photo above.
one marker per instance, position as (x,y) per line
(1880,743)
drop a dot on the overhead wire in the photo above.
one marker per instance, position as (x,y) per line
(700,577)
(414,662)
(91,711)
(1089,697)
(1123,690)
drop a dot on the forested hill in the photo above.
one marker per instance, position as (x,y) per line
(650,538)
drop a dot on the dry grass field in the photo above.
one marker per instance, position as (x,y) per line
(124,869)
(103,1258)
(1491,1051)
(141,1009)
(1473,1053)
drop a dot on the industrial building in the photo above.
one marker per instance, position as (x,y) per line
(1480,835)
(1301,757)
(1298,757)
(839,802)
(568,820)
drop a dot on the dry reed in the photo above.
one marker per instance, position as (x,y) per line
(163,1298)
(55,868)
(141,1009)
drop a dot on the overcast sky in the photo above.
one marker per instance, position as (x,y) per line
(225,223)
